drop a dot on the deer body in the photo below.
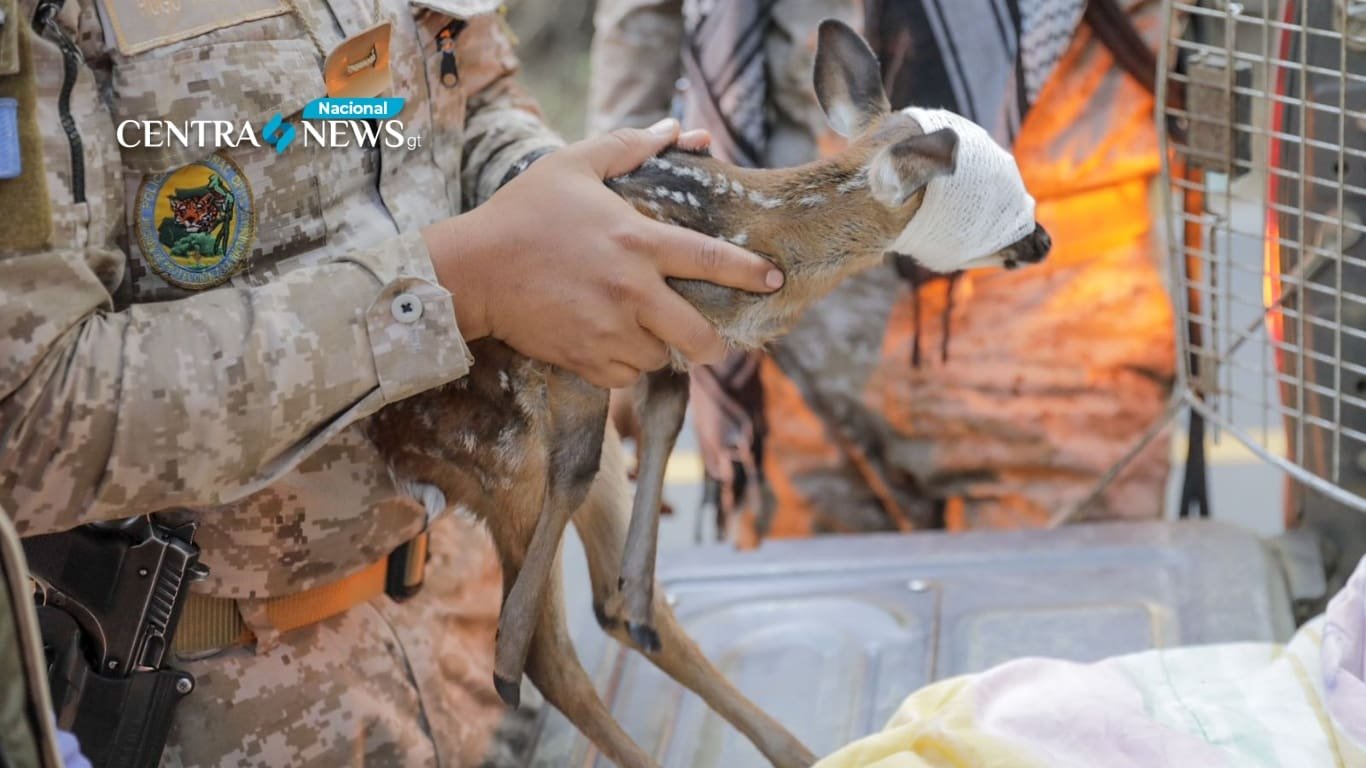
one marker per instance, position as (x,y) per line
(812,221)
(523,446)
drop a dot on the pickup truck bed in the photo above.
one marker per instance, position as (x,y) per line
(830,634)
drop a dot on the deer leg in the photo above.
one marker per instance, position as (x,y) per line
(601,523)
(661,401)
(681,659)
(577,425)
(554,667)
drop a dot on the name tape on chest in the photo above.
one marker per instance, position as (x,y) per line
(140,25)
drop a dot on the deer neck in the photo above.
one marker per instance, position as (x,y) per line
(816,222)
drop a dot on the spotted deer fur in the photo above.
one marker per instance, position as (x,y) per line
(523,446)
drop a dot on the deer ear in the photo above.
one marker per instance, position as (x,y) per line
(848,79)
(901,170)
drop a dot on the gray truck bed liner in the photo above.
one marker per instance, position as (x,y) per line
(830,634)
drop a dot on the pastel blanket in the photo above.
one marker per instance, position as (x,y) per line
(1301,705)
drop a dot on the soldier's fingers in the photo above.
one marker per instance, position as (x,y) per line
(624,149)
(696,140)
(695,256)
(645,352)
(679,325)
(612,375)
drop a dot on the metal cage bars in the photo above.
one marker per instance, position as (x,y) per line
(1270,268)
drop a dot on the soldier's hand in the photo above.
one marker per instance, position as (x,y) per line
(564,271)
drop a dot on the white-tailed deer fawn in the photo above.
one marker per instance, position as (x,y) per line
(523,446)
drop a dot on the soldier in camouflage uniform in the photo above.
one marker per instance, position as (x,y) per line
(227,380)
(1052,373)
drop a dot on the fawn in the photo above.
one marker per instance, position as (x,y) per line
(524,448)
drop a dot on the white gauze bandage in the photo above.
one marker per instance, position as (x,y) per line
(977,210)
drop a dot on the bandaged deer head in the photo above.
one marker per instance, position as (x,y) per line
(958,199)
(928,184)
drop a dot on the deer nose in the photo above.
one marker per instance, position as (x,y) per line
(1036,246)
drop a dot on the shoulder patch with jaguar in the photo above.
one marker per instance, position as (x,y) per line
(196,224)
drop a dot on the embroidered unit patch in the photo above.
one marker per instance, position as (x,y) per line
(196,224)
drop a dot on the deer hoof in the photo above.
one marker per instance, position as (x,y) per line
(605,620)
(644,636)
(510,691)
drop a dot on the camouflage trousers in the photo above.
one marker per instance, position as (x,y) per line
(385,684)
(1053,372)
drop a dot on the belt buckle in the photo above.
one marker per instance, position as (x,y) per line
(407,568)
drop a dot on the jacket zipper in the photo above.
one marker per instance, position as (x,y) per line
(445,45)
(45,24)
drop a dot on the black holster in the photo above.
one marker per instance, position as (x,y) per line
(109,598)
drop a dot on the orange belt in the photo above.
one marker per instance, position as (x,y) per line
(214,622)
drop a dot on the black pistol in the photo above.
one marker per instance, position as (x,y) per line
(109,597)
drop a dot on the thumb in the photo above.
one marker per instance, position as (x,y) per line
(624,149)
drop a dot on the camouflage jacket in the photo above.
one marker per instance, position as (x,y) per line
(122,390)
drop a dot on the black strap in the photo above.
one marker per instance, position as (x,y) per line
(1121,38)
(1112,27)
(1195,482)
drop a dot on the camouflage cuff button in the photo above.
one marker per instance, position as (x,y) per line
(407,308)
(411,322)
(414,338)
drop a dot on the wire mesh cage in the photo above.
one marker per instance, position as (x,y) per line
(1265,181)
